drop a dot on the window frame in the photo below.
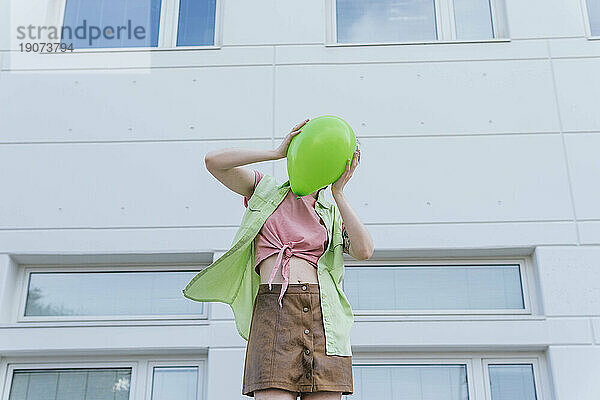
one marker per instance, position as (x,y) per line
(141,369)
(167,30)
(27,269)
(11,367)
(476,361)
(534,362)
(525,272)
(587,22)
(202,374)
(444,21)
(426,360)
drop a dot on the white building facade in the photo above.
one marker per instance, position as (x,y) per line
(479,128)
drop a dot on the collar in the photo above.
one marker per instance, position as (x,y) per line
(320,197)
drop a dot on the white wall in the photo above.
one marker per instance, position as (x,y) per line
(466,147)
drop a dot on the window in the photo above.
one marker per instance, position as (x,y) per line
(83,383)
(126,377)
(385,20)
(190,32)
(176,379)
(108,294)
(393,21)
(593,9)
(512,381)
(139,23)
(473,19)
(449,376)
(443,288)
(102,21)
(175,383)
(397,382)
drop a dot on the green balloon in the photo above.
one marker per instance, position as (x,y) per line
(317,155)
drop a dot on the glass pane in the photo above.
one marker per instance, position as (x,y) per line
(111,23)
(512,382)
(379,21)
(71,384)
(410,382)
(110,293)
(594,13)
(179,383)
(473,19)
(434,287)
(196,23)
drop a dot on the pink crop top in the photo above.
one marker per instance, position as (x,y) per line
(294,228)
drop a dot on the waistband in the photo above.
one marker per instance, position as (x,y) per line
(293,288)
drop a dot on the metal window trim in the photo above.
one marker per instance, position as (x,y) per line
(330,22)
(499,19)
(444,19)
(587,20)
(168,23)
(451,20)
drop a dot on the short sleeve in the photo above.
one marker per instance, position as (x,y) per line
(257,177)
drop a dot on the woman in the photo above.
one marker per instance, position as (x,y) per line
(286,352)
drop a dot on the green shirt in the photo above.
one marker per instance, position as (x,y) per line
(232,279)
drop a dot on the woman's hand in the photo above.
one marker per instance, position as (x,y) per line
(337,187)
(281,151)
(357,240)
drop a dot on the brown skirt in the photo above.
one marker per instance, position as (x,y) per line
(286,346)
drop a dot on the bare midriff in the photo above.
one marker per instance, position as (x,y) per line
(301,271)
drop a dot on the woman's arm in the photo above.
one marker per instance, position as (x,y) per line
(357,239)
(225,164)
